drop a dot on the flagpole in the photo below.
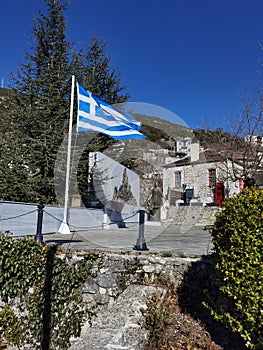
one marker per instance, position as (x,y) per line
(64,228)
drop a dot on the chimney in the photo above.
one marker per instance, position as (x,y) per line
(194,151)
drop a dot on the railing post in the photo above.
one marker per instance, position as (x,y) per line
(141,244)
(39,236)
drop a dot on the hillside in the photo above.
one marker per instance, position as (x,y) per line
(163,126)
(219,140)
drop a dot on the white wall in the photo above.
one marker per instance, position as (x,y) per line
(111,176)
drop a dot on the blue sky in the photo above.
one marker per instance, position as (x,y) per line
(191,57)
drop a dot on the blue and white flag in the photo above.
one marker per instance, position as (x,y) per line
(97,115)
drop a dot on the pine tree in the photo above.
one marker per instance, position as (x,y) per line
(13,159)
(40,103)
(37,117)
(96,73)
(93,70)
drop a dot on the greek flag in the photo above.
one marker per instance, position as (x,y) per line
(97,115)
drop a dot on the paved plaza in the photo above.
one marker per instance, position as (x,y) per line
(166,238)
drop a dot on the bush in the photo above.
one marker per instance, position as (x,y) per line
(238,241)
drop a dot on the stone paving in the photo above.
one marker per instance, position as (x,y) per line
(182,240)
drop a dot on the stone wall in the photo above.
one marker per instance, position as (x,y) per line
(195,215)
(120,270)
(195,175)
(118,297)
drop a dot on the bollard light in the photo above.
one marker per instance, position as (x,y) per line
(39,236)
(141,244)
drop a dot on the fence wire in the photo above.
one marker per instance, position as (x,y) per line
(21,219)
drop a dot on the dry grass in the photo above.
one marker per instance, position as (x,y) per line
(173,329)
(181,322)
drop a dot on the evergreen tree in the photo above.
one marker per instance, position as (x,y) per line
(38,110)
(93,70)
(96,73)
(40,102)
(13,160)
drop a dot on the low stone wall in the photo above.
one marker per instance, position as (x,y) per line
(118,295)
(197,215)
(121,270)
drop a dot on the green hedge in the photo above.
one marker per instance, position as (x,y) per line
(238,241)
(42,291)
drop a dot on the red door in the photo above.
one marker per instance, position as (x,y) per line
(219,193)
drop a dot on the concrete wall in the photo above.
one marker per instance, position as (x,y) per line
(21,218)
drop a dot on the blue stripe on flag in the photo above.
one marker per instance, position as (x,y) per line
(84,106)
(95,123)
(94,114)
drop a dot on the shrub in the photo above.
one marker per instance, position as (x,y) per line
(238,241)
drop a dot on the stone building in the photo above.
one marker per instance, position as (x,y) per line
(201,178)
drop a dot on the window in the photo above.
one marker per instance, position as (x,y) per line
(211,177)
(177,179)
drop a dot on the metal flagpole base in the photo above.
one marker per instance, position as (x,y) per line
(64,229)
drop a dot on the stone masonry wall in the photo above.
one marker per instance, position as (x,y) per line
(197,215)
(120,270)
(118,295)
